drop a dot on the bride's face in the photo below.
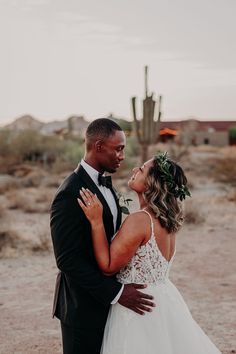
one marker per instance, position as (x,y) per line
(137,181)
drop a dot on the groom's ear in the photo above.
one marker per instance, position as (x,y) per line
(98,146)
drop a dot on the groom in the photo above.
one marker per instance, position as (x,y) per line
(83,294)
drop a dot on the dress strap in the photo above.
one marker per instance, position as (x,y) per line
(152,225)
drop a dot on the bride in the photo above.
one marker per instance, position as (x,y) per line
(142,252)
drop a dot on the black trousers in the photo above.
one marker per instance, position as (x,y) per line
(81,340)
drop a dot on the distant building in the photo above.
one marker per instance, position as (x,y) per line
(196,132)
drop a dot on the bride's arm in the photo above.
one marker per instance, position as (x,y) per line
(130,236)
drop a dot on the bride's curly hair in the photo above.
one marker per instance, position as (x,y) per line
(161,199)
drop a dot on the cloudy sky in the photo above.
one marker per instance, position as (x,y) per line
(63,57)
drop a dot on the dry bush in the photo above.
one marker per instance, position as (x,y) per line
(44,195)
(52,181)
(62,166)
(224,170)
(36,208)
(8,183)
(207,148)
(13,244)
(10,242)
(6,163)
(228,151)
(178,152)
(232,196)
(192,214)
(191,182)
(2,211)
(43,199)
(26,201)
(17,200)
(33,180)
(44,242)
(43,208)
(21,170)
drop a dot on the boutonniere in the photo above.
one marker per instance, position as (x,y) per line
(124,203)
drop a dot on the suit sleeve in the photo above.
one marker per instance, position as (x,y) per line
(68,225)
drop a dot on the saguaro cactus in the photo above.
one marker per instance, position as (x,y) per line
(147,129)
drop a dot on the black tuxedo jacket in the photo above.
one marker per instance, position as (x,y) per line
(83,294)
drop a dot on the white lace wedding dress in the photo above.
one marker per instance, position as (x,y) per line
(169,328)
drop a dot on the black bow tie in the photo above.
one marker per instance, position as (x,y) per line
(104,181)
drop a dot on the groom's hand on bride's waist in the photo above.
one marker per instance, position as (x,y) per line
(136,300)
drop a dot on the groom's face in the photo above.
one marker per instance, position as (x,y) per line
(112,151)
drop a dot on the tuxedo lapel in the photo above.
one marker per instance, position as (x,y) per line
(119,215)
(88,183)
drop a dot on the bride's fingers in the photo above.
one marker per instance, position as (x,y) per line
(87,198)
(81,204)
(84,207)
(84,194)
(93,197)
(90,193)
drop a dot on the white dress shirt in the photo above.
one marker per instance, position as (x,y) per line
(106,192)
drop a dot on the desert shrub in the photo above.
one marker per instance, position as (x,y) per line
(44,195)
(232,135)
(224,170)
(191,183)
(73,152)
(60,166)
(178,152)
(17,200)
(6,162)
(2,211)
(9,242)
(132,147)
(5,143)
(12,244)
(35,148)
(44,242)
(51,181)
(232,196)
(27,202)
(34,177)
(44,199)
(8,183)
(33,180)
(27,145)
(192,214)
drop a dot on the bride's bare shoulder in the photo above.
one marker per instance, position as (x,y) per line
(136,216)
(137,221)
(133,231)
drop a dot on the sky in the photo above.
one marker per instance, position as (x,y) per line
(72,57)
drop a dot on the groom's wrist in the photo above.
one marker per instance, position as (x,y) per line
(116,299)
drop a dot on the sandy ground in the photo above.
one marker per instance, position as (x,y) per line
(204,271)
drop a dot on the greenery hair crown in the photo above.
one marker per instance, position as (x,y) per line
(167,177)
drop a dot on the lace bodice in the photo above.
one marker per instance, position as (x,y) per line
(148,265)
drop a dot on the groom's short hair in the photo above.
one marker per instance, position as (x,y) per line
(100,129)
